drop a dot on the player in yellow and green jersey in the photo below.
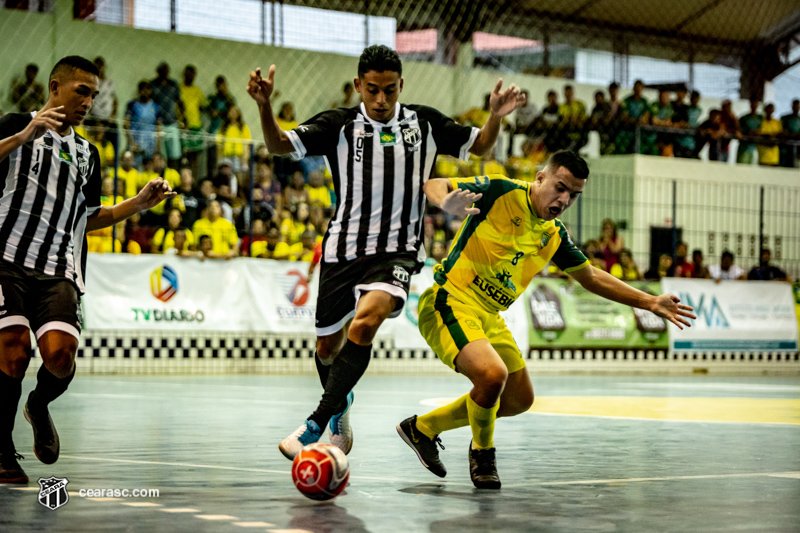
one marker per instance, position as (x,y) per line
(510,234)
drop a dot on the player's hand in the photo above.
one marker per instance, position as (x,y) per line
(50,119)
(668,306)
(459,202)
(503,103)
(260,89)
(156,191)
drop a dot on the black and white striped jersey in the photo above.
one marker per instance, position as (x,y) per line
(49,187)
(378,172)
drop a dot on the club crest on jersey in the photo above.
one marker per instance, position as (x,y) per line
(413,138)
(83,165)
(545,239)
(401,274)
(388,138)
(53,492)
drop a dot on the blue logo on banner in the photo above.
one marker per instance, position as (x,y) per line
(710,312)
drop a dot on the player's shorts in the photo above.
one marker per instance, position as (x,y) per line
(39,302)
(342,284)
(171,141)
(448,325)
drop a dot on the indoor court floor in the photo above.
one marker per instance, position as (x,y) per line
(596,454)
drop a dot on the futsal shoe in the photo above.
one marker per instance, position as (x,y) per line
(339,428)
(483,468)
(308,433)
(45,437)
(424,447)
(10,471)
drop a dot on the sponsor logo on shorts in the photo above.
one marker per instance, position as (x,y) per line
(53,492)
(401,274)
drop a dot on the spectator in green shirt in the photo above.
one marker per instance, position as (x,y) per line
(749,124)
(635,111)
(791,131)
(661,115)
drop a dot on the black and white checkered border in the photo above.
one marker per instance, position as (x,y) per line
(218,352)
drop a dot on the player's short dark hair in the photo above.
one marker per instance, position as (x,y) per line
(379,58)
(68,65)
(571,161)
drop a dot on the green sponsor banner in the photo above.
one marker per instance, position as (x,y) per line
(565,315)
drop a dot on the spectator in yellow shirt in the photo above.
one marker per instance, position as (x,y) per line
(626,269)
(99,241)
(477,117)
(222,232)
(286,118)
(769,154)
(128,175)
(164,238)
(155,215)
(233,141)
(318,193)
(304,250)
(293,227)
(103,145)
(272,247)
(193,103)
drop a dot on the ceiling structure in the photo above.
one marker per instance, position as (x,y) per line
(713,31)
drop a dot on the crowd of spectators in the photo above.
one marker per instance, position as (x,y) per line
(201,145)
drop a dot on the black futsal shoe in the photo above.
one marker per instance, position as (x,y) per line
(424,447)
(483,468)
(45,437)
(10,471)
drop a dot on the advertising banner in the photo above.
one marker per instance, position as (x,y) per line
(736,316)
(167,293)
(565,315)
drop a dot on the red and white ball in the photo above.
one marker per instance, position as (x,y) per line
(320,471)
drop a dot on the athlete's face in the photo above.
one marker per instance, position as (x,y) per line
(76,92)
(554,191)
(379,91)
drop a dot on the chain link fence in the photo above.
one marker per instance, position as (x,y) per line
(685,80)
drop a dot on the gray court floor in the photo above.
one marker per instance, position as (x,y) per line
(209,445)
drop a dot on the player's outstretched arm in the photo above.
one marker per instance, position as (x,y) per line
(500,105)
(49,119)
(152,194)
(457,202)
(260,90)
(603,284)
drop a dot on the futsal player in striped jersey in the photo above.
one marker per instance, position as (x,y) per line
(380,154)
(49,199)
(509,235)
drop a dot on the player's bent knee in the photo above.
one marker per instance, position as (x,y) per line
(59,359)
(493,379)
(363,329)
(15,351)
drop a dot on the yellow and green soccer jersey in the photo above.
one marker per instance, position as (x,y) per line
(496,253)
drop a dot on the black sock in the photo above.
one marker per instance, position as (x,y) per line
(48,388)
(323,370)
(10,391)
(346,370)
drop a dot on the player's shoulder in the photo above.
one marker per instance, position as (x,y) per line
(12,123)
(424,112)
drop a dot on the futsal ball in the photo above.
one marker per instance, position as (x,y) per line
(320,471)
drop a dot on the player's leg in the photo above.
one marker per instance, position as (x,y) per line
(479,362)
(336,304)
(447,325)
(56,323)
(15,351)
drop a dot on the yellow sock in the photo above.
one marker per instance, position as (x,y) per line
(481,420)
(451,416)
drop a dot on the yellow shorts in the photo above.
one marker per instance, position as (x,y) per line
(447,325)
